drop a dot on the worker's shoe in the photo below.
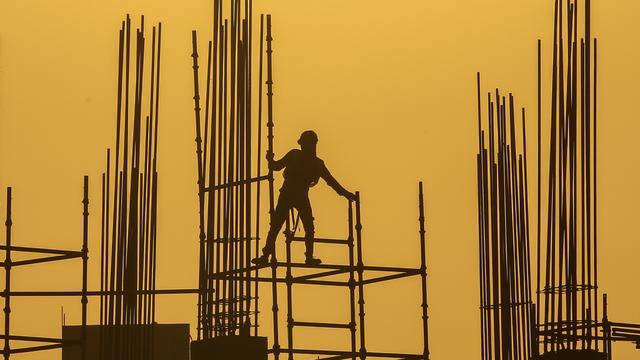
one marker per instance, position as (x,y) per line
(312,261)
(261,260)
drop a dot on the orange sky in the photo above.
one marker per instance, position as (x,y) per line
(390,88)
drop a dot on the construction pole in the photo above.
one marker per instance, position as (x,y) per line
(7,272)
(423,274)
(595,179)
(289,282)
(481,239)
(85,258)
(259,170)
(102,262)
(360,267)
(201,327)
(352,284)
(539,177)
(274,286)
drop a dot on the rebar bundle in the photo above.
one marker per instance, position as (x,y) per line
(503,226)
(568,300)
(128,241)
(230,172)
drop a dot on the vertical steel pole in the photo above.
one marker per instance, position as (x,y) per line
(274,284)
(259,171)
(595,178)
(423,274)
(85,258)
(7,271)
(102,262)
(539,177)
(289,281)
(202,324)
(360,267)
(352,285)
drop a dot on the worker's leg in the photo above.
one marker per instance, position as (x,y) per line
(277,220)
(306,215)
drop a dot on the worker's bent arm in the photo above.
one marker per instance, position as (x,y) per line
(331,181)
(277,165)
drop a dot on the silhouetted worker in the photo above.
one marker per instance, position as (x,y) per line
(302,170)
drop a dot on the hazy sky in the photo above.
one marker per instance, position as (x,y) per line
(390,88)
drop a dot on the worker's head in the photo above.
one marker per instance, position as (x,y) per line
(308,140)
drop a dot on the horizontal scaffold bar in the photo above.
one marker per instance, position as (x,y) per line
(35,348)
(40,250)
(43,260)
(322,325)
(322,274)
(565,288)
(224,274)
(38,339)
(236,183)
(623,325)
(322,240)
(369,354)
(99,293)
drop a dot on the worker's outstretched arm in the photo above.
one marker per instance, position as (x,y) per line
(277,165)
(335,185)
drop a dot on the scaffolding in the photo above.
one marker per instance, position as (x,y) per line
(45,255)
(325,275)
(228,144)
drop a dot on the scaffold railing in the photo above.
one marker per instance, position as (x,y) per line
(44,255)
(325,275)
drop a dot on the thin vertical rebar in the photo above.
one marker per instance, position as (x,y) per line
(274,284)
(289,283)
(259,169)
(360,268)
(423,275)
(6,352)
(85,259)
(352,284)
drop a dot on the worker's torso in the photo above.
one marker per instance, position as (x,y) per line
(301,171)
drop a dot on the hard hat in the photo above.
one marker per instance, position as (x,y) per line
(308,137)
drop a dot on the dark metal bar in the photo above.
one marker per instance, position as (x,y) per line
(322,274)
(85,259)
(389,277)
(259,165)
(274,286)
(46,259)
(360,271)
(352,282)
(595,178)
(289,283)
(423,268)
(7,285)
(321,325)
(322,241)
(72,293)
(41,250)
(236,183)
(202,236)
(36,339)
(345,353)
(36,348)
(539,183)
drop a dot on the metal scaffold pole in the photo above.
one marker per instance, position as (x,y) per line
(274,285)
(85,259)
(6,352)
(423,274)
(360,270)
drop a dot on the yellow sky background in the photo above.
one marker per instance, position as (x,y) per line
(390,88)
